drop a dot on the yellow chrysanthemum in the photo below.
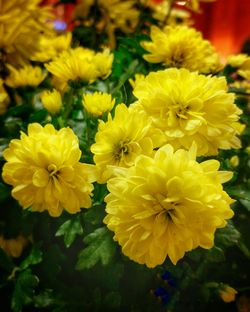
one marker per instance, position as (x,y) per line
(52,101)
(120,140)
(50,47)
(121,14)
(25,76)
(228,294)
(81,64)
(189,107)
(44,169)
(167,205)
(4,98)
(242,63)
(181,46)
(137,79)
(239,60)
(21,24)
(98,103)
(160,11)
(13,246)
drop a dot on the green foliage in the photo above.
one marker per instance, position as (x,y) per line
(23,294)
(100,248)
(70,229)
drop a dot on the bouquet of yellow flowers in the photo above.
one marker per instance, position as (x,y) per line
(125,166)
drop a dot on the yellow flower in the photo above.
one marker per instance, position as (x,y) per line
(189,107)
(234,161)
(242,63)
(160,11)
(21,24)
(228,294)
(121,14)
(50,47)
(52,101)
(14,246)
(193,4)
(81,64)
(4,98)
(25,76)
(138,78)
(167,205)
(98,103)
(103,62)
(238,60)
(181,46)
(44,169)
(120,140)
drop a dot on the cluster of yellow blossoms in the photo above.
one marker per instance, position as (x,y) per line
(22,23)
(181,47)
(162,202)
(81,64)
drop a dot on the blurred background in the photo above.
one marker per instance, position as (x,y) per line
(226,23)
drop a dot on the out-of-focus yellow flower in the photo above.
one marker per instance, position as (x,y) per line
(25,76)
(14,246)
(21,24)
(181,46)
(189,107)
(120,140)
(241,84)
(138,78)
(121,13)
(234,161)
(192,4)
(81,64)
(50,47)
(160,11)
(59,84)
(103,62)
(167,205)
(98,103)
(248,150)
(52,101)
(115,14)
(242,63)
(44,169)
(238,60)
(4,98)
(228,294)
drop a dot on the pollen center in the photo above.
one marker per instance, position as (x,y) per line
(53,170)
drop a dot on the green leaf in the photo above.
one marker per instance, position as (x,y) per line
(245,203)
(24,290)
(227,236)
(113,300)
(44,299)
(70,229)
(33,258)
(95,215)
(4,191)
(101,248)
(239,193)
(215,254)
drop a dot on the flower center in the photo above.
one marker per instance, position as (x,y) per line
(167,205)
(181,112)
(53,170)
(121,150)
